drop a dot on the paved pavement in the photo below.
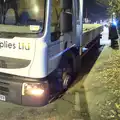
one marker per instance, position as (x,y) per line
(105,40)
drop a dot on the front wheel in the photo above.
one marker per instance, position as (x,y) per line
(64,73)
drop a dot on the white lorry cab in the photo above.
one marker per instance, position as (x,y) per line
(39,42)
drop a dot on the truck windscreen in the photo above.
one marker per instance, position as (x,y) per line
(22,16)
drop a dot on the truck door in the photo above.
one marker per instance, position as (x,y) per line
(59,42)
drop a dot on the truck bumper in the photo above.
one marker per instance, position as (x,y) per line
(11,91)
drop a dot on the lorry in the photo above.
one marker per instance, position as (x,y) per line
(39,43)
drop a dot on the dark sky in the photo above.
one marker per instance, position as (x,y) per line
(94,10)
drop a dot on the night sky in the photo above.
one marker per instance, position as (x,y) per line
(94,10)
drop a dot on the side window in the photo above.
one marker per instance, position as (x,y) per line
(78,6)
(55,20)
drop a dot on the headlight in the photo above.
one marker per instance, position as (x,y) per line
(35,89)
(114,22)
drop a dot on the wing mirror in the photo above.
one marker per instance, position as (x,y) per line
(66,4)
(65,22)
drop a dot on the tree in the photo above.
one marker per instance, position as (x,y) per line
(113,6)
(104,2)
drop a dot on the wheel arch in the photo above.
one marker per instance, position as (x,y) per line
(71,54)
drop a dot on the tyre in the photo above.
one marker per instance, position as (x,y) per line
(64,74)
(98,43)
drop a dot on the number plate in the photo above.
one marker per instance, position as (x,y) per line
(2,97)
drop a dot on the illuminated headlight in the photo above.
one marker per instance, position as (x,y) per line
(35,89)
(114,22)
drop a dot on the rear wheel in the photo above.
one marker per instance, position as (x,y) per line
(97,45)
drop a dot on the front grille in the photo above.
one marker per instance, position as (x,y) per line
(4,88)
